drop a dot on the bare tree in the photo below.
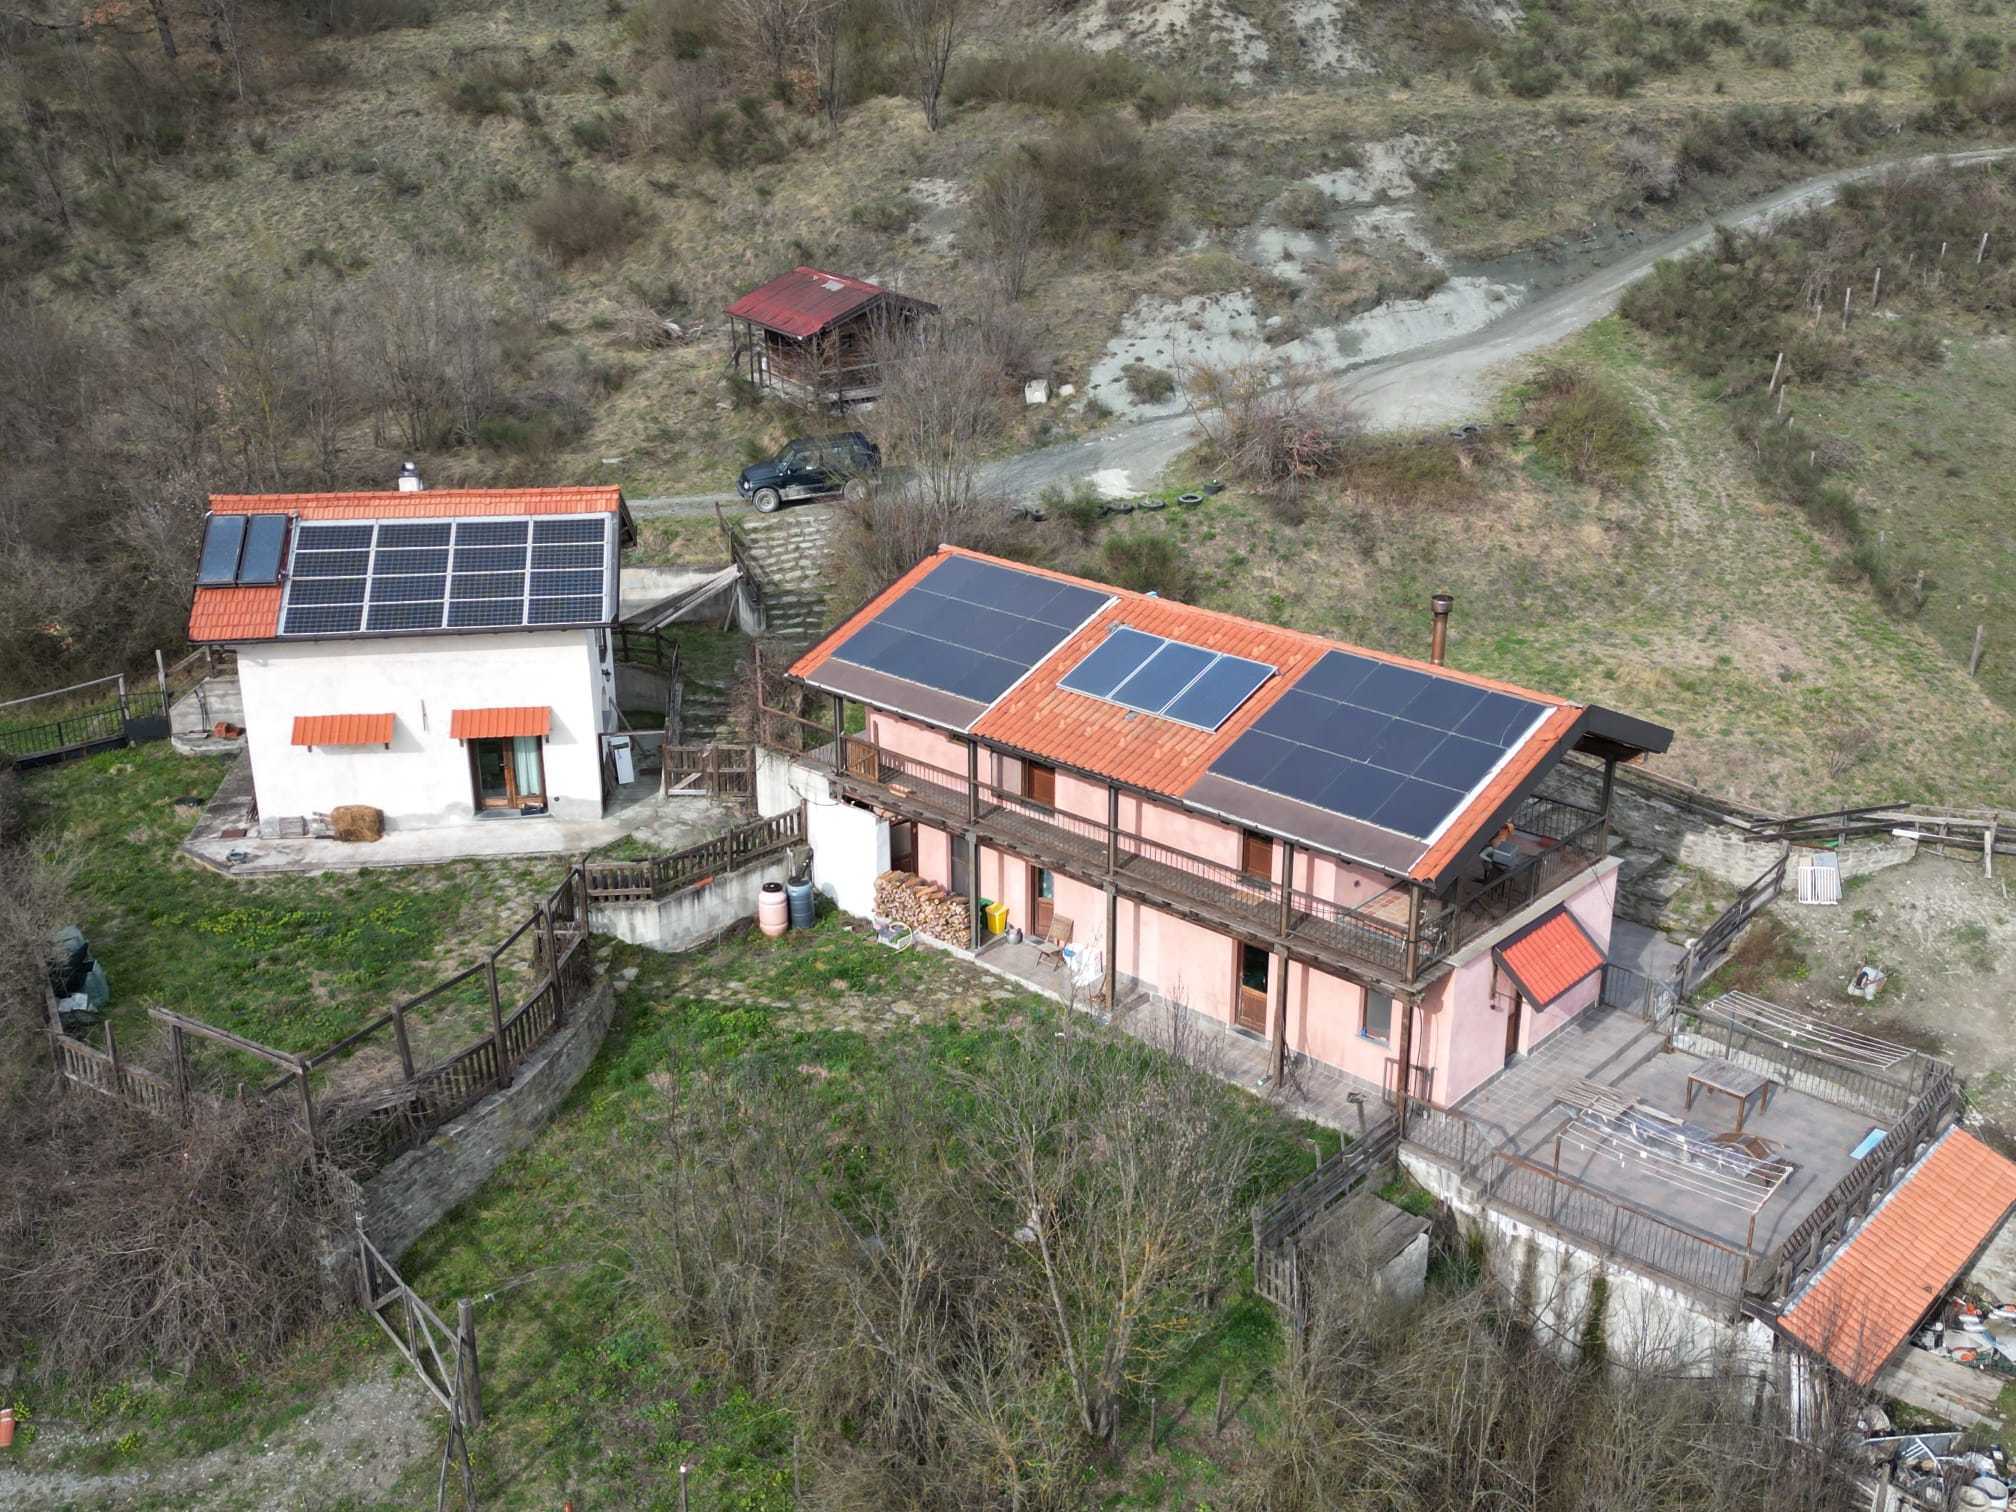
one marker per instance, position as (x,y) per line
(826,35)
(1274,427)
(775,33)
(436,353)
(1006,214)
(929,33)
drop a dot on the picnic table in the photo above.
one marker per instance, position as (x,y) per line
(1732,1080)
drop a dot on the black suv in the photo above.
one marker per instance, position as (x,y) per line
(813,467)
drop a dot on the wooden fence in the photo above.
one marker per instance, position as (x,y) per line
(710,771)
(370,1127)
(1716,941)
(1282,1227)
(444,1359)
(661,876)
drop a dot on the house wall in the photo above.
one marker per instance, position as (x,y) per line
(423,779)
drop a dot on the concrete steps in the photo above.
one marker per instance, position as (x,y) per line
(791,553)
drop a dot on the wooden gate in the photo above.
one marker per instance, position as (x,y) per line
(443,1358)
(710,771)
(1715,943)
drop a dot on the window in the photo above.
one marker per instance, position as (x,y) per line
(1039,783)
(1378,1017)
(1256,855)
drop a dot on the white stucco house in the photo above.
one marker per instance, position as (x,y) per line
(440,655)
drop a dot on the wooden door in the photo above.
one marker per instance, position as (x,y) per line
(1042,901)
(490,769)
(1514,1011)
(1039,783)
(1249,1009)
(1256,855)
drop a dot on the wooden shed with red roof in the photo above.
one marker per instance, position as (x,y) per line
(815,335)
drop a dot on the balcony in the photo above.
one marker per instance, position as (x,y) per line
(1552,842)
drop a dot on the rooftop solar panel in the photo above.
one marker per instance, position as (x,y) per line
(1160,678)
(1403,748)
(223,538)
(1111,663)
(970,629)
(413,571)
(265,540)
(1171,678)
(1219,689)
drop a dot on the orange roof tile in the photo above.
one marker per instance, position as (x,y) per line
(1161,756)
(342,729)
(428,503)
(1866,1300)
(1549,956)
(234,614)
(499,724)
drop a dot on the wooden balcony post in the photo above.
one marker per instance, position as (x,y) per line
(1413,931)
(973,884)
(1112,983)
(1280,1048)
(839,733)
(1287,885)
(1112,830)
(972,782)
(1404,1073)
(1609,791)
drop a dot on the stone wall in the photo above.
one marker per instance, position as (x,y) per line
(417,1190)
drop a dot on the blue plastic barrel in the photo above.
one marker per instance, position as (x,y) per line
(801,904)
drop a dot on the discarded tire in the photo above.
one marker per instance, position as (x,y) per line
(1214,487)
(1190,498)
(1120,506)
(1154,501)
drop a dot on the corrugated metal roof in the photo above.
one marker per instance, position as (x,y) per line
(1549,956)
(342,729)
(431,503)
(1865,1301)
(499,724)
(1160,755)
(805,301)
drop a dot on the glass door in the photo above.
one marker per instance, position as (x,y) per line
(492,769)
(508,774)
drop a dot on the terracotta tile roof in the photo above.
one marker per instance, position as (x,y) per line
(1159,755)
(1549,956)
(1866,1300)
(342,729)
(431,503)
(234,614)
(498,724)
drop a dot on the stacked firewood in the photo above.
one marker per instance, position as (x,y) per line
(924,906)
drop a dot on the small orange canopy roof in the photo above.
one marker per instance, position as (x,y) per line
(499,724)
(342,729)
(1865,1301)
(1549,956)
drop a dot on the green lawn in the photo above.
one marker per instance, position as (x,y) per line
(293,962)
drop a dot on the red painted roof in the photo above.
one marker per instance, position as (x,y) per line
(1865,1301)
(804,301)
(424,504)
(237,614)
(499,724)
(1549,956)
(342,729)
(1160,755)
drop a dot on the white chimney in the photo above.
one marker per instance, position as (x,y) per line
(409,478)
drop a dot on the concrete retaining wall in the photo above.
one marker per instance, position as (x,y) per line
(417,1190)
(694,915)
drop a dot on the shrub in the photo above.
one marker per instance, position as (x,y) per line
(1149,385)
(1149,563)
(1619,80)
(890,214)
(1775,53)
(1303,205)
(1874,77)
(675,28)
(1079,507)
(1983,51)
(1586,425)
(1099,175)
(1072,80)
(491,84)
(601,134)
(1725,30)
(578,218)
(1649,168)
(1529,78)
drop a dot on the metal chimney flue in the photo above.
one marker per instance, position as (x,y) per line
(1438,644)
(409,478)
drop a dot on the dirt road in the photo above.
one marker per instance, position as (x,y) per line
(1445,383)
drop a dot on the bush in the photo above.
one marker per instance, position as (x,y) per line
(1983,51)
(1149,385)
(491,85)
(675,28)
(1071,80)
(578,218)
(1774,53)
(1305,206)
(1148,563)
(890,214)
(1099,176)
(1586,425)
(1530,78)
(1619,80)
(1079,508)
(1725,30)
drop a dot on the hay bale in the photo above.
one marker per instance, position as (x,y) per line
(356,821)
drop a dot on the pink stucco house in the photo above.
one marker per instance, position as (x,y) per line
(1348,854)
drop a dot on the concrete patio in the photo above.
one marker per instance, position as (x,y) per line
(226,840)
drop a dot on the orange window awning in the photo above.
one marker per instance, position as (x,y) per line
(499,724)
(342,729)
(1549,956)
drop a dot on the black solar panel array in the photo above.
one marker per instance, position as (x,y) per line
(1171,678)
(1393,746)
(971,629)
(416,575)
(241,551)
